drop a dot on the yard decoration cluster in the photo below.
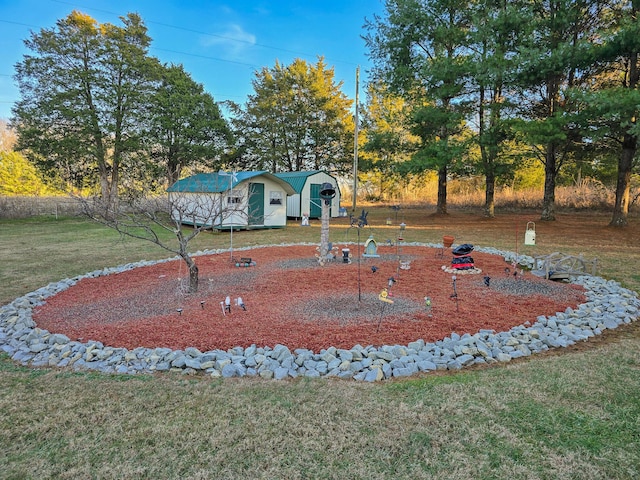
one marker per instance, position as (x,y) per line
(294,303)
(608,306)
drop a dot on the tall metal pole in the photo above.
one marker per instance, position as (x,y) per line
(355,146)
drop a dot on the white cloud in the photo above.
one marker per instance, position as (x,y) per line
(232,39)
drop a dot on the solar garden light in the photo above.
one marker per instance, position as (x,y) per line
(327,193)
(225,306)
(240,303)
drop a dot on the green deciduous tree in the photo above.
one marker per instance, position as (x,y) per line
(297,119)
(19,177)
(84,91)
(388,141)
(187,129)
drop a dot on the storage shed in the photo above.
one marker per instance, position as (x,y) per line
(223,200)
(306,198)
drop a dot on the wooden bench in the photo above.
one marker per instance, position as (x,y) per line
(559,266)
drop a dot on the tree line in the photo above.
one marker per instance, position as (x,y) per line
(458,87)
(487,84)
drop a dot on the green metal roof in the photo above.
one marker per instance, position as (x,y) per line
(297,179)
(221,182)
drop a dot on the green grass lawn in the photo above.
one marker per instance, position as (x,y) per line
(574,415)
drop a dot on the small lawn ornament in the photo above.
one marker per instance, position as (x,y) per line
(245,262)
(405,265)
(447,241)
(530,234)
(346,254)
(361,221)
(305,220)
(240,303)
(384,296)
(427,304)
(227,305)
(462,259)
(202,304)
(330,255)
(179,310)
(370,248)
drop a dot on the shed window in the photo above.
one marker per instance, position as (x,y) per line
(234,197)
(275,198)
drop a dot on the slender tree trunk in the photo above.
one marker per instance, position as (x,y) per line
(193,273)
(174,168)
(629,148)
(549,198)
(489,194)
(625,166)
(487,164)
(442,190)
(191,265)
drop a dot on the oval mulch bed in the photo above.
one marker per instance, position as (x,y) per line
(293,301)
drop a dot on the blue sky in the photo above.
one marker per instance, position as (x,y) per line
(220,43)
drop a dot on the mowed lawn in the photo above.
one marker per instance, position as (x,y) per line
(572,414)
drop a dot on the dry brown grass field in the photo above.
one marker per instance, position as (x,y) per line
(569,414)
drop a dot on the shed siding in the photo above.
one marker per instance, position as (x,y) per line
(205,208)
(293,206)
(301,203)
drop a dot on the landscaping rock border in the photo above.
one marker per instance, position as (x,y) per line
(608,306)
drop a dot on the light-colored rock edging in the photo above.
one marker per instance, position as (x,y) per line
(608,306)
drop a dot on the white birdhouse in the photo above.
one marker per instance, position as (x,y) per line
(530,234)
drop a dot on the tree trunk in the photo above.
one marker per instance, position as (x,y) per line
(629,148)
(489,195)
(625,165)
(193,273)
(173,170)
(442,190)
(549,198)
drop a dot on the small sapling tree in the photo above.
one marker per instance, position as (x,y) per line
(183,215)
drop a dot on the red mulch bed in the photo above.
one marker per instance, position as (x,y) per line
(293,301)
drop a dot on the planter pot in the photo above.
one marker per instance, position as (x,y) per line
(447,241)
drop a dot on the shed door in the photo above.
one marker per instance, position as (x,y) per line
(315,209)
(256,204)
